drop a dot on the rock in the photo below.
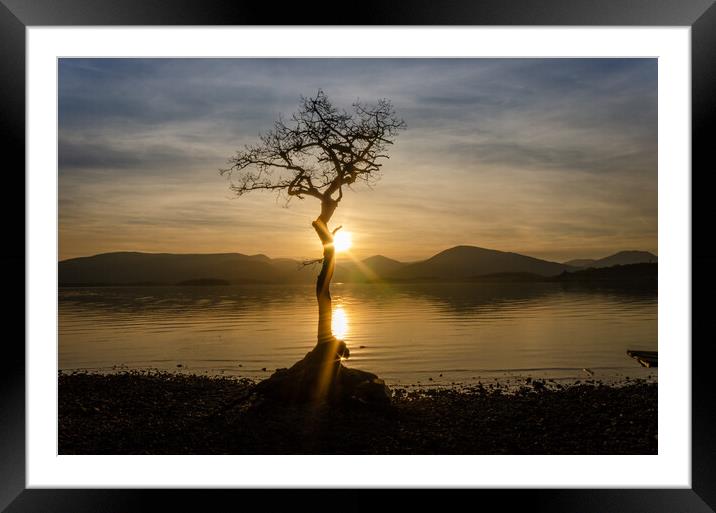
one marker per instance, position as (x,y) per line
(321,377)
(374,391)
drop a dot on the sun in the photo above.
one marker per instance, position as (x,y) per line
(342,241)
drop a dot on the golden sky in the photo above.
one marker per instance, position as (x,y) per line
(552,158)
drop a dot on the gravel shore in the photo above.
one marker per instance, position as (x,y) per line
(165,413)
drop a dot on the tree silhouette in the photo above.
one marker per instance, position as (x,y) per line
(318,153)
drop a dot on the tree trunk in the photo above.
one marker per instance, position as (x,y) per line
(323,294)
(323,282)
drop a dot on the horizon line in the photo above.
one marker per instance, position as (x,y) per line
(365,258)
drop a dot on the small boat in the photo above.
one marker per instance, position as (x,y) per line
(645,358)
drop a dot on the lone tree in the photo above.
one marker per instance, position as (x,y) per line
(318,153)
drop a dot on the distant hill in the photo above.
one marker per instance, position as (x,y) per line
(629,274)
(581,262)
(509,278)
(644,275)
(467,262)
(125,268)
(620,258)
(375,268)
(625,258)
(461,263)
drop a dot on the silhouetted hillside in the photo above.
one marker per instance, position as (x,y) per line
(375,268)
(625,258)
(626,274)
(463,262)
(620,258)
(508,278)
(125,268)
(581,262)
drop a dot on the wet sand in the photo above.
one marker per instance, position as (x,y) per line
(171,413)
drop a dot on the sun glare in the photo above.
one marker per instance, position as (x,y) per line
(342,241)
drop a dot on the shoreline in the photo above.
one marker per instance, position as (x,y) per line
(507,379)
(175,413)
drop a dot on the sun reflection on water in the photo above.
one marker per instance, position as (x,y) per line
(340,323)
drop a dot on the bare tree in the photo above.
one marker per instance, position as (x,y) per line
(318,153)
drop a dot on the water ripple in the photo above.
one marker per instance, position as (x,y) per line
(407,330)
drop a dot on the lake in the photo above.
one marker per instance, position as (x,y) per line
(407,334)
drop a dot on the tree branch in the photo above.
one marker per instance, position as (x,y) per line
(323,150)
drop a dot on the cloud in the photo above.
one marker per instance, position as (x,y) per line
(510,153)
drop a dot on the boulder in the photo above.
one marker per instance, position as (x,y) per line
(320,377)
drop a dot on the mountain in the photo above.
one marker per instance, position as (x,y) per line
(626,257)
(375,268)
(641,275)
(124,268)
(581,262)
(461,263)
(467,262)
(620,258)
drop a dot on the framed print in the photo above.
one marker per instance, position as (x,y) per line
(461,293)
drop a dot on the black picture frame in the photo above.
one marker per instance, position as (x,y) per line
(17,15)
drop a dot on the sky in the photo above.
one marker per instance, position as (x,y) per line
(552,158)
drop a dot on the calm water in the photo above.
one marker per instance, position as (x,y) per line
(404,333)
